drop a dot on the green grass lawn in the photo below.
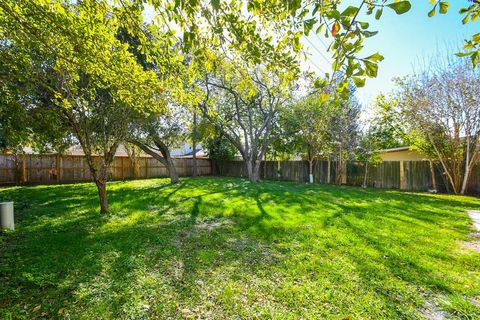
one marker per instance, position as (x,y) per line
(219,248)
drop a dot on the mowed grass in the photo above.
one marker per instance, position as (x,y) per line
(216,248)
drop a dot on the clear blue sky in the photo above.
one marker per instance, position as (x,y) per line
(404,41)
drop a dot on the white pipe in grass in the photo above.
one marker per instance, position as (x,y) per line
(6,216)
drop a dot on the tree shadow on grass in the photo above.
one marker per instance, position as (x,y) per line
(171,246)
(91,261)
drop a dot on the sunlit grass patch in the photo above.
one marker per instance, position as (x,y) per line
(225,248)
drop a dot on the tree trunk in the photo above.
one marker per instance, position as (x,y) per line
(432,173)
(365,177)
(132,155)
(339,166)
(171,169)
(102,194)
(165,159)
(310,166)
(310,170)
(469,162)
(194,144)
(465,180)
(253,170)
(168,159)
(256,172)
(450,178)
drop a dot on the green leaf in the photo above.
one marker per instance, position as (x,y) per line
(378,14)
(431,13)
(369,34)
(364,25)
(319,29)
(350,11)
(463,54)
(475,58)
(215,4)
(476,37)
(308,25)
(375,57)
(320,83)
(359,82)
(371,69)
(444,7)
(296,44)
(400,7)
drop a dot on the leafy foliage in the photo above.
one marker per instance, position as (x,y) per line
(470,14)
(218,147)
(88,80)
(386,127)
(442,110)
(242,102)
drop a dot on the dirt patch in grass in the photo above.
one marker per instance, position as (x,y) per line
(211,224)
(433,312)
(198,227)
(473,245)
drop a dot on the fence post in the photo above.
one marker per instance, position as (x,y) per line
(121,168)
(403,185)
(328,171)
(146,168)
(432,173)
(344,173)
(24,169)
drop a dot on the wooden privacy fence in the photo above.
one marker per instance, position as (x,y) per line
(404,175)
(48,169)
(323,171)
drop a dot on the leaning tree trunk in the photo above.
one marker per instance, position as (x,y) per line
(466,178)
(468,167)
(164,159)
(168,159)
(172,171)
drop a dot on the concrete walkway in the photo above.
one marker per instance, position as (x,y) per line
(475,216)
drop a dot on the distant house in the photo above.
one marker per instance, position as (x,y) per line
(120,152)
(401,154)
(186,151)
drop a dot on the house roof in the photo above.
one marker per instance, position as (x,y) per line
(199,154)
(393,149)
(77,151)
